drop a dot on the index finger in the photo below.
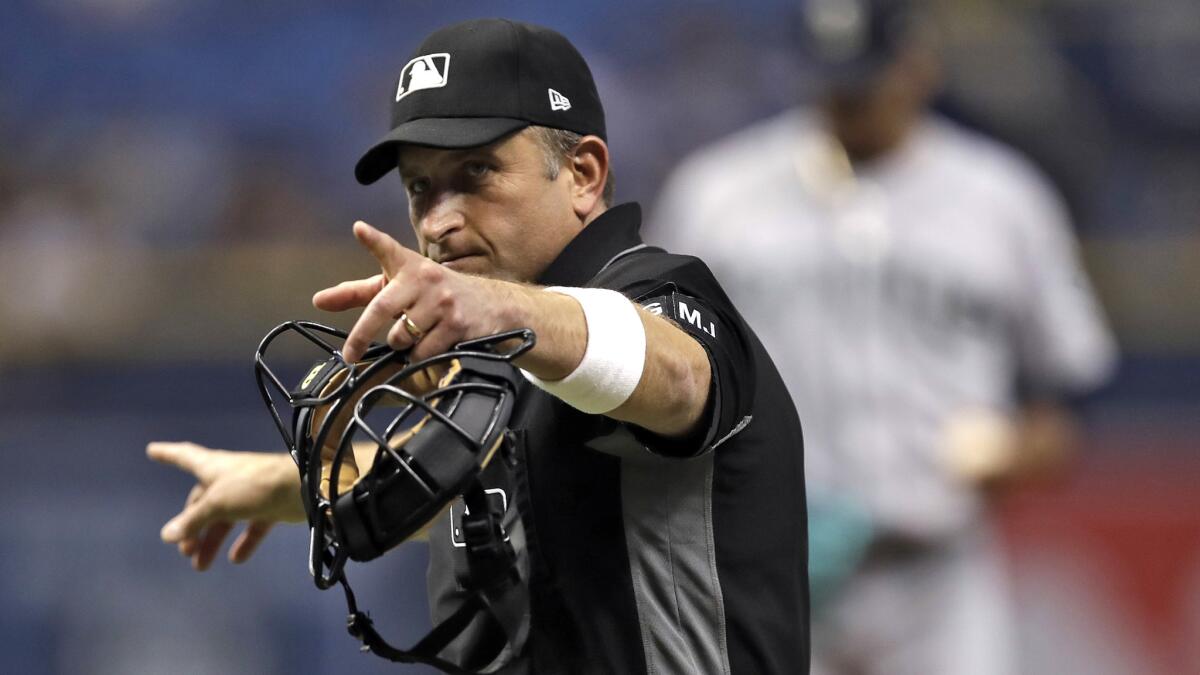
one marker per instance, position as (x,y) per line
(183,455)
(391,254)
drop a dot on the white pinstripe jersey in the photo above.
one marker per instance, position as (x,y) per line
(894,299)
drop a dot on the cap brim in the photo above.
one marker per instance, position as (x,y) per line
(433,132)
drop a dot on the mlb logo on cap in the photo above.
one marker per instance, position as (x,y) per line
(424,72)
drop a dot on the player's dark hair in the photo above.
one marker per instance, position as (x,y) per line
(557,146)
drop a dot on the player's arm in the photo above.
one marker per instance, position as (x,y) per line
(1063,344)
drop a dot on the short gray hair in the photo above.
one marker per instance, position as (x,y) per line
(557,146)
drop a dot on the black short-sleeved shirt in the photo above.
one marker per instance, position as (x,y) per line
(648,555)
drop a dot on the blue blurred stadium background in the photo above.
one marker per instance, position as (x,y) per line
(175,178)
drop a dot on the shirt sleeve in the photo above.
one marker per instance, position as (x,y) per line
(1064,344)
(684,292)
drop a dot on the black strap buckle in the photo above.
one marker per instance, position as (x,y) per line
(489,554)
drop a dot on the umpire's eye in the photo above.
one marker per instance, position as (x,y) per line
(418,186)
(477,169)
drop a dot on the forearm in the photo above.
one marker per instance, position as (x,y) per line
(672,393)
(282,481)
(1047,440)
(996,450)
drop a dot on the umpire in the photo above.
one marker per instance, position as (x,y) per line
(660,475)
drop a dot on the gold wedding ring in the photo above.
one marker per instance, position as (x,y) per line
(415,332)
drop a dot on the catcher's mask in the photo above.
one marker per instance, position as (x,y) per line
(427,429)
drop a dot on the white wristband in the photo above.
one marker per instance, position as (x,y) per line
(614,358)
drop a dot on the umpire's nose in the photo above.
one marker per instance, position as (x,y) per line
(441,219)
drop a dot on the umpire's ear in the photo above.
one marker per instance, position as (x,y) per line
(589,174)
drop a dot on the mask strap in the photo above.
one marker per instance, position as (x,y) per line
(498,592)
(360,625)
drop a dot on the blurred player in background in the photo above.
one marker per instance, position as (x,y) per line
(920,288)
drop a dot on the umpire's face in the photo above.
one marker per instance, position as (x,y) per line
(492,210)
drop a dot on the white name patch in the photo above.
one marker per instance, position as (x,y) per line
(683,310)
(694,317)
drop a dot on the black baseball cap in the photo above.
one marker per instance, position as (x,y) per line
(850,42)
(473,82)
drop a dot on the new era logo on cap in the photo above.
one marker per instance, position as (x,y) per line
(558,101)
(424,72)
